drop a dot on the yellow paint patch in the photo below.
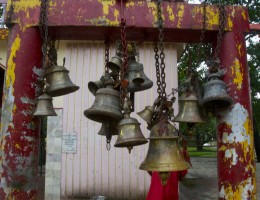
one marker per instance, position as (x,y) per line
(153,9)
(240,191)
(130,4)
(236,70)
(10,74)
(17,146)
(106,5)
(116,14)
(24,5)
(239,46)
(229,23)
(170,12)
(180,14)
(212,17)
(222,148)
(244,15)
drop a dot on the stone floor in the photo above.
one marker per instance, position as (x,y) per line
(199,184)
(201,181)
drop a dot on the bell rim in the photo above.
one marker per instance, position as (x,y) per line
(160,167)
(53,113)
(62,90)
(163,137)
(89,113)
(122,143)
(189,120)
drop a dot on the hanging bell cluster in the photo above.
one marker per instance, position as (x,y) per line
(56,83)
(137,79)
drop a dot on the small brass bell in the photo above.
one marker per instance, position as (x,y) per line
(138,81)
(164,153)
(59,82)
(44,106)
(147,114)
(129,131)
(189,110)
(215,93)
(106,105)
(114,64)
(94,86)
(105,127)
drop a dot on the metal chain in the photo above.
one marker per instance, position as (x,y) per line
(157,67)
(123,82)
(43,25)
(161,48)
(52,53)
(222,22)
(106,57)
(9,15)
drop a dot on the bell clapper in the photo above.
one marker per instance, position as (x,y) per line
(130,149)
(164,177)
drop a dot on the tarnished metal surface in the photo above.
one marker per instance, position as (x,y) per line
(19,130)
(235,132)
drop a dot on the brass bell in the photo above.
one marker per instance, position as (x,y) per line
(147,114)
(59,82)
(164,154)
(105,127)
(94,86)
(44,106)
(189,110)
(106,105)
(138,81)
(215,93)
(114,64)
(129,131)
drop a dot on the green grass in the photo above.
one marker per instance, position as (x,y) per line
(208,152)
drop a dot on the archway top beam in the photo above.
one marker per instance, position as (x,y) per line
(100,19)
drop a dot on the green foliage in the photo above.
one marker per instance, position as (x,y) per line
(194,56)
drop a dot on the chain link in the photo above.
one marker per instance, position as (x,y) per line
(157,67)
(161,48)
(43,25)
(222,22)
(106,57)
(123,82)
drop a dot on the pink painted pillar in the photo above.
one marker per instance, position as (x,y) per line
(19,129)
(236,167)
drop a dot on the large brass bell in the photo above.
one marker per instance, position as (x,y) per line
(138,81)
(189,110)
(106,127)
(129,131)
(106,105)
(164,154)
(114,64)
(94,86)
(44,106)
(215,93)
(147,114)
(59,82)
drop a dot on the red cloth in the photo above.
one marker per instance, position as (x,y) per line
(168,192)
